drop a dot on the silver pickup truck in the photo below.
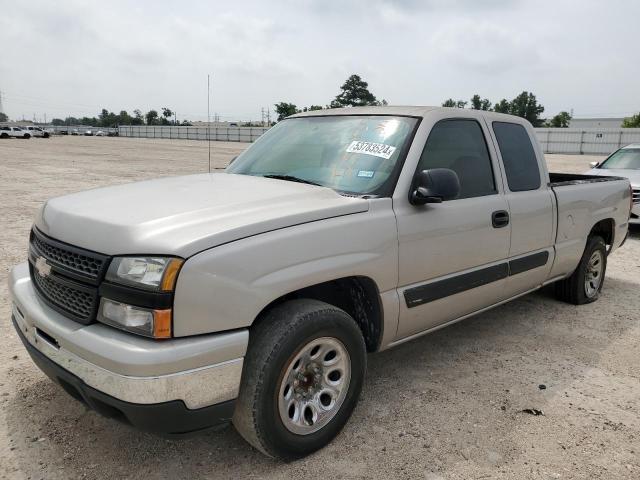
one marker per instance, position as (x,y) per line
(254,294)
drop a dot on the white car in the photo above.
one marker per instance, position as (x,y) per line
(36,131)
(624,162)
(17,132)
(100,133)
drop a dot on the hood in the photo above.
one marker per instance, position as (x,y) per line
(631,174)
(185,215)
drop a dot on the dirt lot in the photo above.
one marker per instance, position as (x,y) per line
(445,406)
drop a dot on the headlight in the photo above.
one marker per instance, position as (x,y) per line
(149,273)
(143,321)
(144,309)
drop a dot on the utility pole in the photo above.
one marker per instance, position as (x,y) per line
(208,122)
(1,108)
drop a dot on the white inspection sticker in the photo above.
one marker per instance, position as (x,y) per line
(369,148)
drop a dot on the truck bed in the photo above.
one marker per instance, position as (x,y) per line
(562,179)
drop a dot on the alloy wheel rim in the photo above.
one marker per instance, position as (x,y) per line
(314,385)
(593,277)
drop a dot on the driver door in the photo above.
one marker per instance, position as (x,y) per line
(452,255)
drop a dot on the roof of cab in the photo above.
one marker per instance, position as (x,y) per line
(404,110)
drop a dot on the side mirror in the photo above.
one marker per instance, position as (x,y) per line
(435,186)
(594,164)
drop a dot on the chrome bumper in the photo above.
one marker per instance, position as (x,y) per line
(200,371)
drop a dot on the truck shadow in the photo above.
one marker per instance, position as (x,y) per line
(462,386)
(634,231)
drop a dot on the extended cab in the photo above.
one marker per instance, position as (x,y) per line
(255,294)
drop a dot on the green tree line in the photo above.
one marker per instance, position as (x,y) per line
(111,119)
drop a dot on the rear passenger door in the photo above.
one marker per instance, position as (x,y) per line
(530,205)
(452,255)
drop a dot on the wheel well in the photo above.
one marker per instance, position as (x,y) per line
(358,296)
(604,228)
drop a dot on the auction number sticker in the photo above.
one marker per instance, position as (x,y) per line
(370,148)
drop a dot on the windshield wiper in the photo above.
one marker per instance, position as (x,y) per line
(291,178)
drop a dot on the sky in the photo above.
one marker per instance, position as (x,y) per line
(75,57)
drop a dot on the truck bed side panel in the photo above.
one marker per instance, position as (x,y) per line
(582,204)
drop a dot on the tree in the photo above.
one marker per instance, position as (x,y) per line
(124,118)
(560,120)
(3,117)
(166,112)
(91,121)
(284,110)
(454,103)
(56,122)
(478,103)
(355,93)
(632,122)
(152,117)
(526,106)
(138,119)
(503,106)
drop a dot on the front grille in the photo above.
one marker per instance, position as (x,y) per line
(69,280)
(636,196)
(82,262)
(80,304)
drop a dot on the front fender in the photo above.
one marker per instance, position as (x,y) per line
(226,287)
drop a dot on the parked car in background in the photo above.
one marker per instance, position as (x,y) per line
(88,133)
(624,162)
(15,132)
(75,132)
(181,303)
(100,133)
(36,131)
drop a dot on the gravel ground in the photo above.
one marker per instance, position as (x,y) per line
(446,406)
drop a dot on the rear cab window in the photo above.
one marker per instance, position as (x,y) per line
(519,159)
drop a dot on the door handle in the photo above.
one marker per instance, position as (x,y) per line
(500,218)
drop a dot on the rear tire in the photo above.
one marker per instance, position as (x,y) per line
(26,136)
(585,284)
(301,380)
(4,135)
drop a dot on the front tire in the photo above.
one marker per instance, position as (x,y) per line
(585,284)
(301,380)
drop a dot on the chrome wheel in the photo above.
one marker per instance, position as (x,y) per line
(314,385)
(593,276)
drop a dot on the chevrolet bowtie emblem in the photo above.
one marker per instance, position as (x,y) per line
(42,267)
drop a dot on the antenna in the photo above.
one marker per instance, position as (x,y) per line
(208,122)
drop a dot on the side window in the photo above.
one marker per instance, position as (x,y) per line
(520,163)
(460,146)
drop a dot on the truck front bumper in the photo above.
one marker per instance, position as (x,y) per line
(172,387)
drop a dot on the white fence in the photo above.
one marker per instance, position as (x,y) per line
(225,134)
(589,141)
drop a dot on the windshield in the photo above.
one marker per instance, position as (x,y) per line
(626,158)
(355,154)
